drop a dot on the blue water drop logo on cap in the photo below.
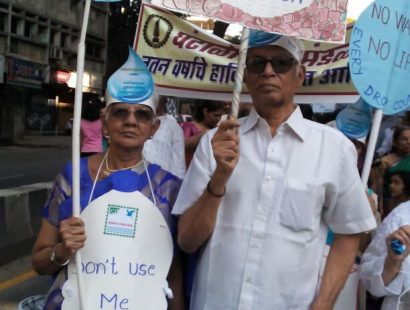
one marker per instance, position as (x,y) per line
(132,82)
(259,38)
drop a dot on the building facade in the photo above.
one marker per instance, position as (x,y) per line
(38,58)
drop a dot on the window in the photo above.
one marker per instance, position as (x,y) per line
(75,5)
(93,49)
(30,30)
(17,25)
(3,22)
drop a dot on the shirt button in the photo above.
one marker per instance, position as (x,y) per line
(249,279)
(268,177)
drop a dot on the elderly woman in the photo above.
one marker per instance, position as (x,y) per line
(128,124)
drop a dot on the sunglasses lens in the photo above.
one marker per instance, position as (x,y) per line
(144,116)
(141,115)
(119,113)
(256,65)
(279,65)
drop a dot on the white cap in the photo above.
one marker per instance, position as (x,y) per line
(294,46)
(132,83)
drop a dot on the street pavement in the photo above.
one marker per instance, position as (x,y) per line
(18,281)
(28,165)
(33,160)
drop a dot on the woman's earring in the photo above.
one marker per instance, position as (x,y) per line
(107,136)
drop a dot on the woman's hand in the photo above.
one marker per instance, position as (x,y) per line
(55,246)
(403,235)
(72,235)
(393,262)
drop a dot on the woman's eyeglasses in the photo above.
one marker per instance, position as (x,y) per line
(279,64)
(141,115)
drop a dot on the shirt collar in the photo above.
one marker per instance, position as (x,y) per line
(295,122)
(250,121)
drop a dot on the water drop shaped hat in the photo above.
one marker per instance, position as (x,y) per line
(132,83)
(294,46)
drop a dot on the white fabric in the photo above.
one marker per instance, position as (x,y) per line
(271,228)
(167,148)
(374,257)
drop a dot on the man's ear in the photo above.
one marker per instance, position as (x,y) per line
(301,74)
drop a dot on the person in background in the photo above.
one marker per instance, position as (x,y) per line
(227,107)
(207,116)
(91,128)
(399,186)
(400,150)
(166,148)
(261,193)
(385,138)
(398,160)
(382,271)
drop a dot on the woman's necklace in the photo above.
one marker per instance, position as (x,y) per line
(108,171)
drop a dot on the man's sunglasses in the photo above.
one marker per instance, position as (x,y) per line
(141,115)
(279,64)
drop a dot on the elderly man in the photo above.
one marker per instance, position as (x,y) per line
(262,192)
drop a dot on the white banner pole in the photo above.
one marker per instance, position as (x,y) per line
(76,141)
(236,98)
(371,146)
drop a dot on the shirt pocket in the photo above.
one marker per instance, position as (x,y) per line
(301,205)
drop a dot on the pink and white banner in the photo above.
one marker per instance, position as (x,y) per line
(187,61)
(317,20)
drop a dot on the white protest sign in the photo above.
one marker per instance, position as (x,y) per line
(126,258)
(379,55)
(309,19)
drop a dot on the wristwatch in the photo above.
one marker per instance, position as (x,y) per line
(53,257)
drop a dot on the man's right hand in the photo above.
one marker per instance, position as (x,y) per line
(225,146)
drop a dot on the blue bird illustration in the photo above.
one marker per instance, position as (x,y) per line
(130,212)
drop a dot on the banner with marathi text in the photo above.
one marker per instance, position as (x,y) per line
(187,61)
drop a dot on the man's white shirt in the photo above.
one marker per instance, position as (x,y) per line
(272,223)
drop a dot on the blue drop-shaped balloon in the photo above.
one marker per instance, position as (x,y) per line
(355,120)
(132,82)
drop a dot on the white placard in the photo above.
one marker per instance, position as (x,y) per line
(127,255)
